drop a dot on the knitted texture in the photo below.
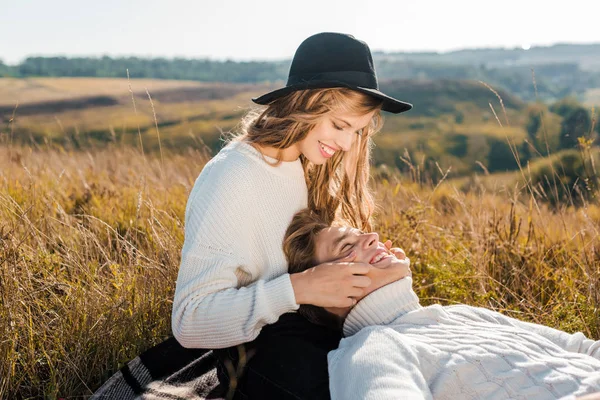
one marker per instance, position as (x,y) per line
(397,349)
(233,275)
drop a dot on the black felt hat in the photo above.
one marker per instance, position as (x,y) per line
(331,59)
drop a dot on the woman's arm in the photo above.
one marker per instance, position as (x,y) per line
(212,308)
(226,292)
(375,364)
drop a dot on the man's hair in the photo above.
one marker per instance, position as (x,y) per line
(299,246)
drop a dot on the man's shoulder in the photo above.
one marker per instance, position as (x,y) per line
(476,313)
(369,334)
(377,343)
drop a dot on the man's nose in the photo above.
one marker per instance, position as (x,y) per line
(371,240)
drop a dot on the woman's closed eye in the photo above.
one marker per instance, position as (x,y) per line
(339,128)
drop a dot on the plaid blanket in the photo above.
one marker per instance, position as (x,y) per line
(170,371)
(289,360)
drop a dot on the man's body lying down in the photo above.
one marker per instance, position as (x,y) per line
(394,348)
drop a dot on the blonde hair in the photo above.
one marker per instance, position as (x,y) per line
(299,246)
(338,188)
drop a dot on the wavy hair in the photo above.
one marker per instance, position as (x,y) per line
(337,189)
(299,247)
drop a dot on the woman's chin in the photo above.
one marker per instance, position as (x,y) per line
(316,159)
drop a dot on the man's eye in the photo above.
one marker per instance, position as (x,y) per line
(346,247)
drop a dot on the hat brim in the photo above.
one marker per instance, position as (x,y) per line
(390,104)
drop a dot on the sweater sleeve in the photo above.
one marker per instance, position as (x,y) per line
(576,342)
(212,308)
(375,364)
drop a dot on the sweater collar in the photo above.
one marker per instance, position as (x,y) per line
(285,168)
(382,306)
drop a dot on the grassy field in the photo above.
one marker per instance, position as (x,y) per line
(38,90)
(91,226)
(452,122)
(90,246)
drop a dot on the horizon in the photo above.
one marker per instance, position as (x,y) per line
(277,59)
(263,30)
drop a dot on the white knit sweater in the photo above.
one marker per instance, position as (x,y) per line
(396,349)
(233,275)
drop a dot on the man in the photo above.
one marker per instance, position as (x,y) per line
(396,349)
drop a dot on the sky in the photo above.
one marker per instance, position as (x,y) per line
(273,29)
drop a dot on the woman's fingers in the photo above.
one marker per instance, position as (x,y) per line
(359,268)
(398,252)
(356,292)
(361,281)
(347,302)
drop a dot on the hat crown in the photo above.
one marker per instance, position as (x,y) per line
(328,52)
(332,60)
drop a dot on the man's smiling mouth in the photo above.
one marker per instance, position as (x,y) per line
(380,255)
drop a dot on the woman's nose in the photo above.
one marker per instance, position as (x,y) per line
(345,140)
(371,239)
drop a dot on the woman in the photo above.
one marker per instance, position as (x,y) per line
(396,349)
(309,147)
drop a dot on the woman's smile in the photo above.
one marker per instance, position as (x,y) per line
(326,151)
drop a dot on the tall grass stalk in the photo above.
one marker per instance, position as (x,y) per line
(89,251)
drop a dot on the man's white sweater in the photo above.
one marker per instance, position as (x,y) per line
(396,349)
(233,275)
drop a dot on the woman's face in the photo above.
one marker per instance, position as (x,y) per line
(334,132)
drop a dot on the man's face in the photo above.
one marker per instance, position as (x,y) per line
(334,243)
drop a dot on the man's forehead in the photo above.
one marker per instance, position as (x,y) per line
(335,232)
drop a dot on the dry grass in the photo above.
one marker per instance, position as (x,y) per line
(495,251)
(89,248)
(90,245)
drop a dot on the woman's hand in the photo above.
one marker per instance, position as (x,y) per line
(397,251)
(396,269)
(332,284)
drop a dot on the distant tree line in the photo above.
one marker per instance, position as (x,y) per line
(158,68)
(553,81)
